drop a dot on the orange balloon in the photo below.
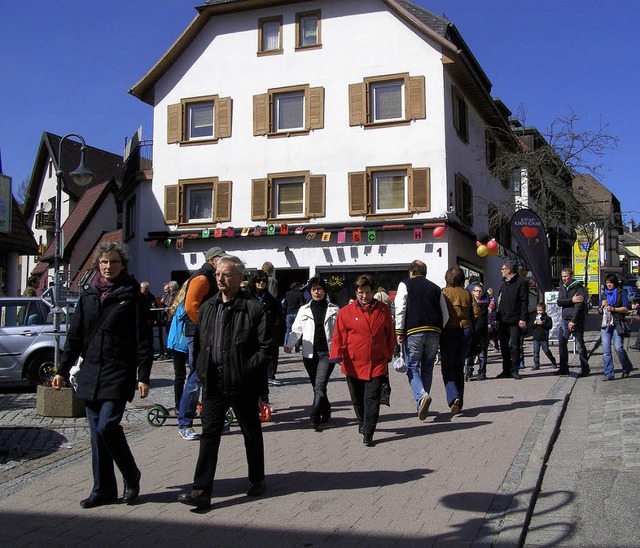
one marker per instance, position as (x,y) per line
(482,251)
(493,252)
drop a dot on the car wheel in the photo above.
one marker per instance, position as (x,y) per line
(40,369)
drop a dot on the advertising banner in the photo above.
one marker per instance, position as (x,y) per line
(579,256)
(529,233)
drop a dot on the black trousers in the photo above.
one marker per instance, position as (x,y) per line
(215,405)
(319,370)
(510,343)
(108,446)
(365,397)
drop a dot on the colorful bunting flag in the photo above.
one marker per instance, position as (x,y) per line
(356,236)
(230,232)
(326,236)
(311,235)
(371,236)
(342,237)
(284,228)
(245,231)
(417,234)
(217,233)
(205,232)
(271,230)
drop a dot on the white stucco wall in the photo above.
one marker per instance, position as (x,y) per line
(360,38)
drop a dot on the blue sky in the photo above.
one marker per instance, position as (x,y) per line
(66,67)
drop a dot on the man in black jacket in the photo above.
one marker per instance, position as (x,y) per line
(511,316)
(231,351)
(572,298)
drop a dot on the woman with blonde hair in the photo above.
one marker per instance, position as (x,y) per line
(177,342)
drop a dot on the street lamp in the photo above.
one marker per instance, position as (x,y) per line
(82,177)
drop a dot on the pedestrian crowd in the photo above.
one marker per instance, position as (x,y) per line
(224,334)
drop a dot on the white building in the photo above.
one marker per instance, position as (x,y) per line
(348,120)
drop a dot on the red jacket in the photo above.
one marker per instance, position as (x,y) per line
(364,340)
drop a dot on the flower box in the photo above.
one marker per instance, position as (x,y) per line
(58,403)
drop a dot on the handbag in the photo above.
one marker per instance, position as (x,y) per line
(74,371)
(385,391)
(622,327)
(399,363)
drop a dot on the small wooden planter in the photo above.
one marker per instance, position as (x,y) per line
(58,403)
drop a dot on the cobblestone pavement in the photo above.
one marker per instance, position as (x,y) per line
(468,480)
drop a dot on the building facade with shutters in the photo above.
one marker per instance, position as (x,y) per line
(324,136)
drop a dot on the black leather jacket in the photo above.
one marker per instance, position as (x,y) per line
(247,337)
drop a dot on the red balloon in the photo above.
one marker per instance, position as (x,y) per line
(478,244)
(492,244)
(439,231)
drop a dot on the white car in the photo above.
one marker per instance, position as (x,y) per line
(27,344)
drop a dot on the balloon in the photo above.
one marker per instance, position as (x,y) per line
(492,244)
(482,251)
(493,252)
(167,243)
(478,244)
(483,237)
(439,231)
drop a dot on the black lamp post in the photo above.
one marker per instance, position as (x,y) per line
(82,177)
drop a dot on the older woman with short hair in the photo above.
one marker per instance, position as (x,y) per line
(111,330)
(363,341)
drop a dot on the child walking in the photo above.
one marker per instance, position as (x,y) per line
(541,327)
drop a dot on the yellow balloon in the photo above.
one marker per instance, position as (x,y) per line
(482,251)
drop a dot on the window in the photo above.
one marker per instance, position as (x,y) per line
(387,99)
(294,109)
(460,115)
(297,195)
(308,30)
(199,120)
(130,218)
(288,111)
(464,200)
(270,35)
(390,190)
(197,201)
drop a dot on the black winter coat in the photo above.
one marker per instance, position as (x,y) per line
(115,339)
(247,339)
(513,301)
(541,332)
(573,312)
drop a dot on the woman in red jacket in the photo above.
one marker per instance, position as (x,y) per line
(363,342)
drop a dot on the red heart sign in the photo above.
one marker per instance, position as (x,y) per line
(529,232)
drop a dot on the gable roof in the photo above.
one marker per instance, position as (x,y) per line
(457,56)
(104,165)
(20,239)
(85,209)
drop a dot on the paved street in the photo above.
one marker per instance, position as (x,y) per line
(460,481)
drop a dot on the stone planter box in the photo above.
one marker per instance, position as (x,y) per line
(58,403)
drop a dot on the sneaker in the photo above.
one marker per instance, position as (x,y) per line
(423,409)
(188,433)
(455,406)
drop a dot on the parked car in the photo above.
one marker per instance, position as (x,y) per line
(27,344)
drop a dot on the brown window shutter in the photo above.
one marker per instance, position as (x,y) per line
(416,103)
(420,189)
(171,205)
(259,199)
(222,118)
(316,108)
(174,123)
(316,196)
(357,104)
(261,114)
(222,202)
(358,193)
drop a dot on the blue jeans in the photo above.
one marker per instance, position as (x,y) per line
(544,346)
(420,354)
(607,334)
(190,395)
(563,345)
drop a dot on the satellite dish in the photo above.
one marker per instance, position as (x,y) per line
(47,207)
